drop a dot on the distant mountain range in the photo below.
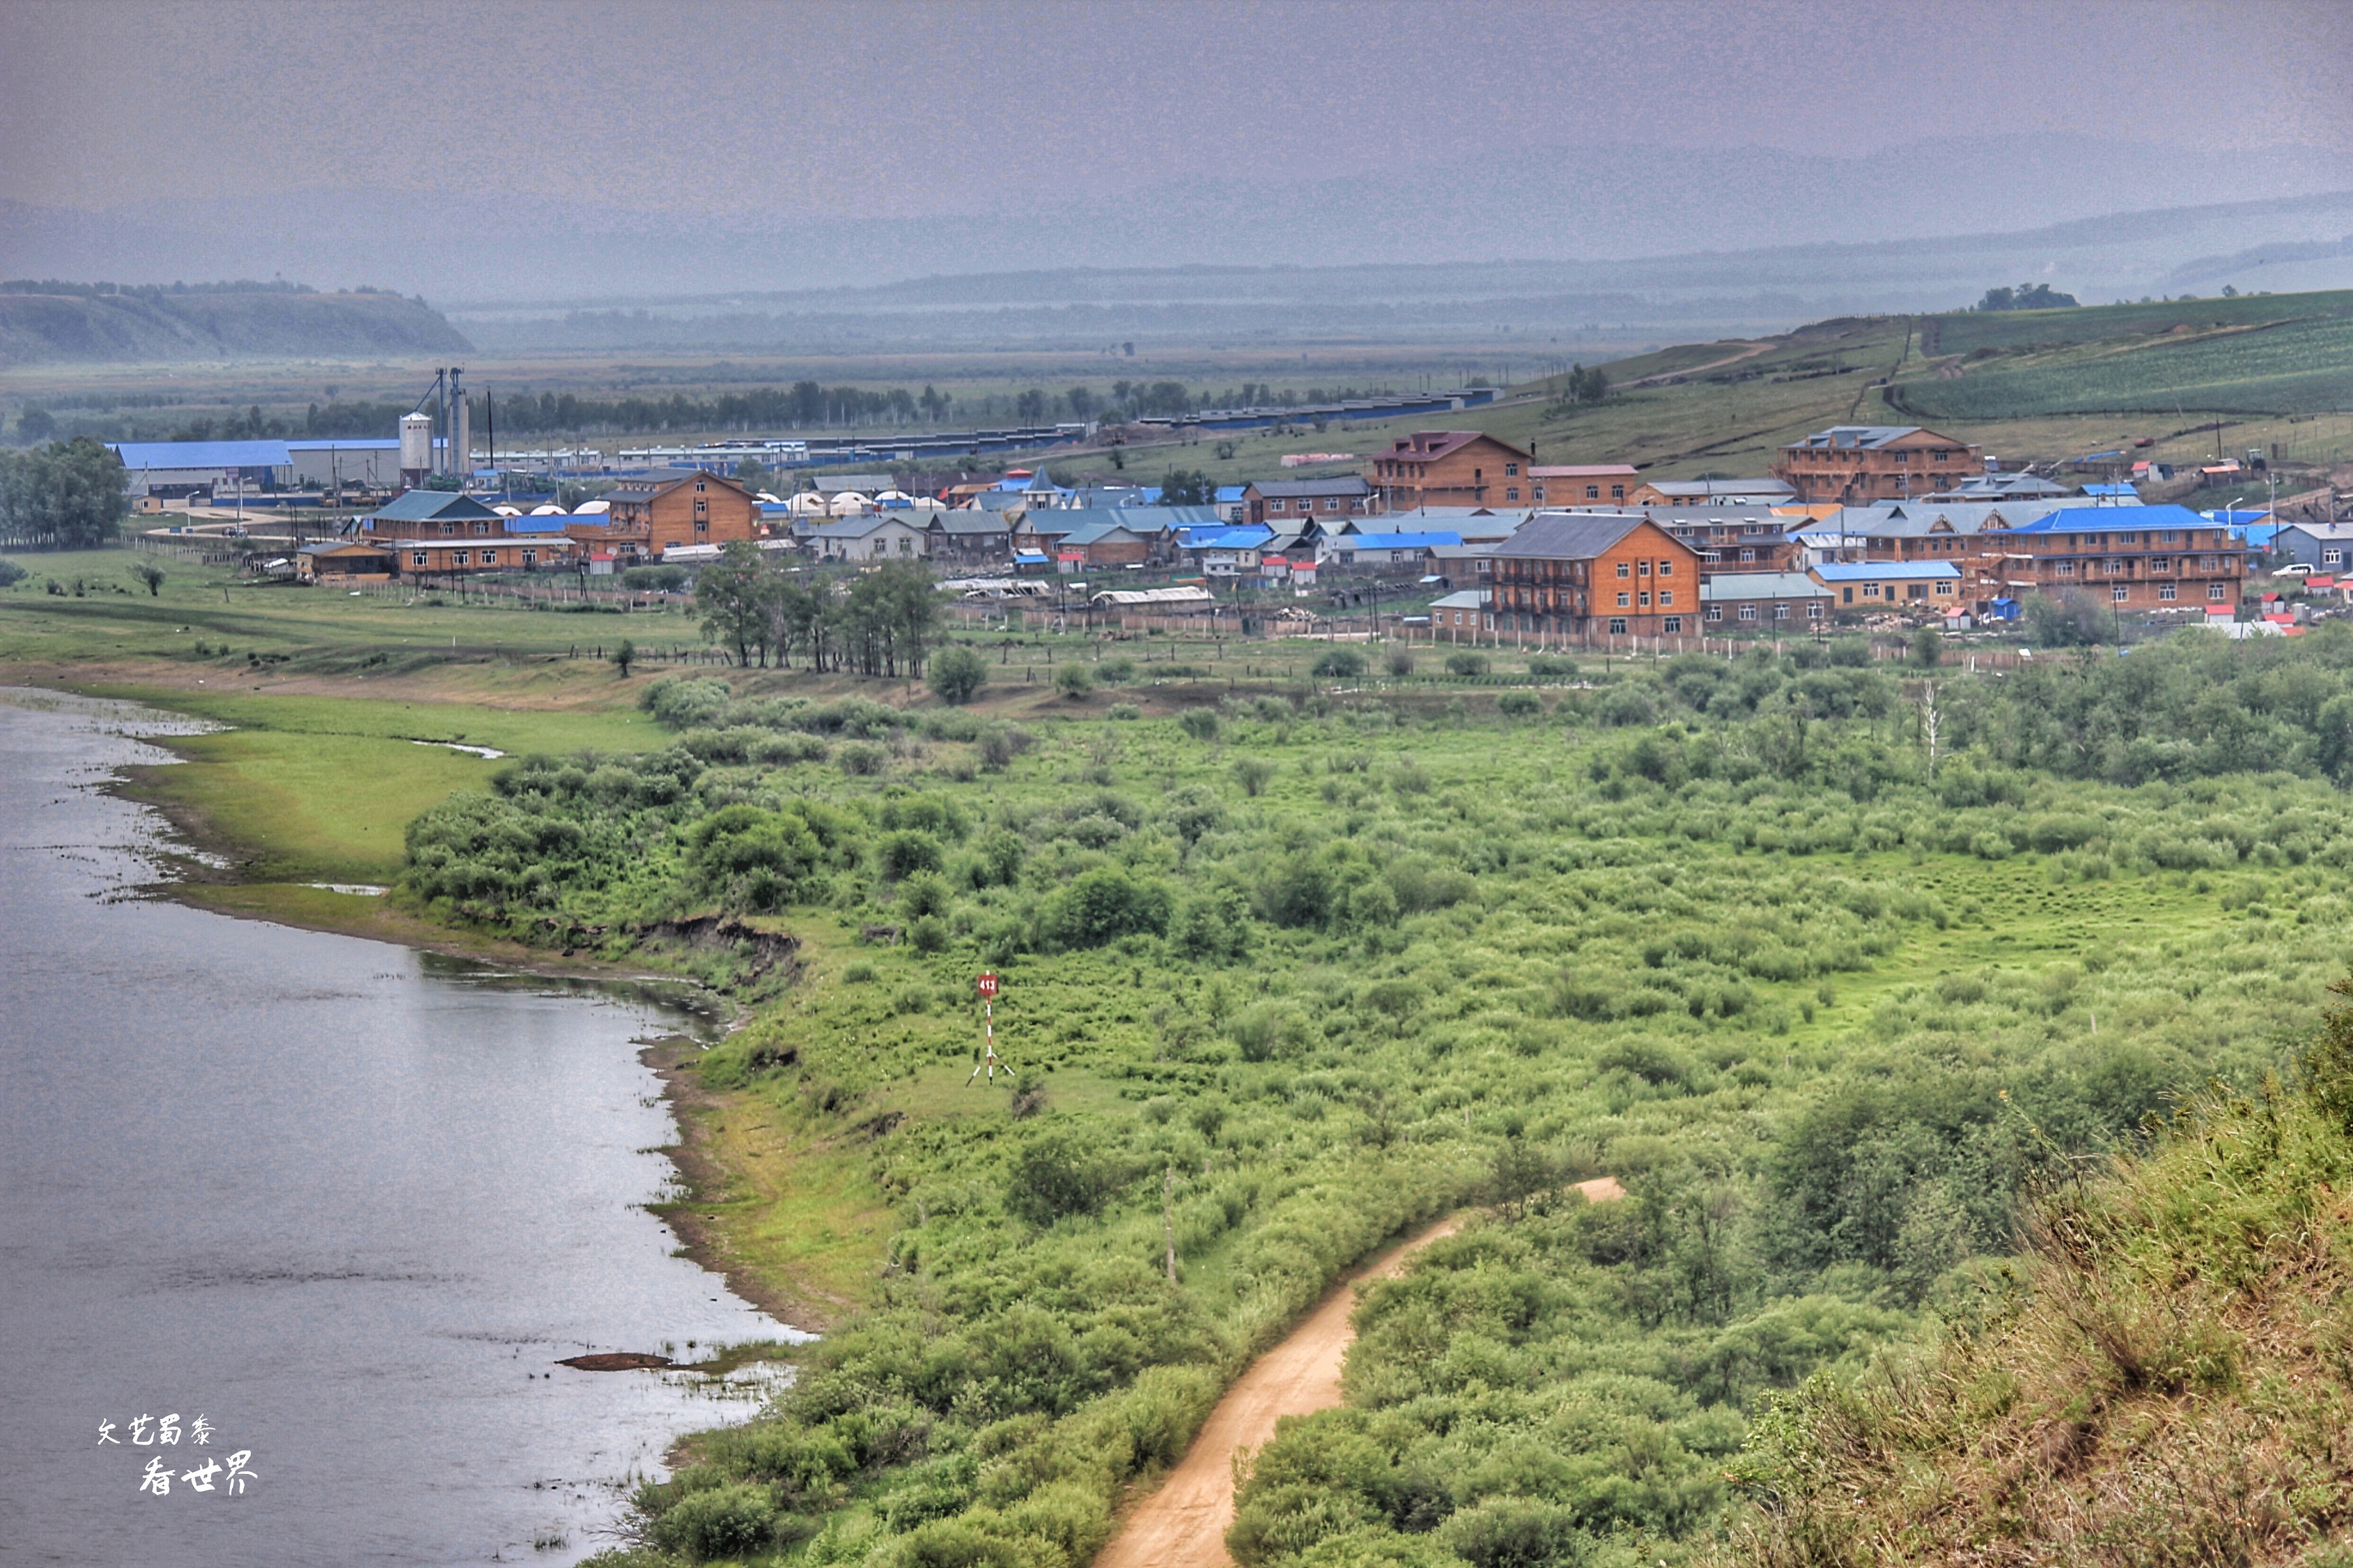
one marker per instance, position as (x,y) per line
(74,327)
(1563,204)
(1616,247)
(1552,308)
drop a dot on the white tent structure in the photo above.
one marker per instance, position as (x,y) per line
(597,506)
(807,504)
(549,509)
(848,504)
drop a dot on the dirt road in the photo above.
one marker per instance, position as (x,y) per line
(1183,1525)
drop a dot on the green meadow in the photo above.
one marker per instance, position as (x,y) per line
(1297,967)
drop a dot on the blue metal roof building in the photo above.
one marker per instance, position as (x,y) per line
(225,456)
(2110,519)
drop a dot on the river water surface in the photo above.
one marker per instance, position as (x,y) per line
(347,1204)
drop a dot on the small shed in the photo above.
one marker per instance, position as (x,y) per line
(344,561)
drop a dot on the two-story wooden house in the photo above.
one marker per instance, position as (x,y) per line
(1450,468)
(1580,574)
(685,506)
(1854,465)
(2134,558)
(1287,502)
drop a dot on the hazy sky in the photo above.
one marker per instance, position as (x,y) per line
(905,108)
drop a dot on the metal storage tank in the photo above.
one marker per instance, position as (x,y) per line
(415,449)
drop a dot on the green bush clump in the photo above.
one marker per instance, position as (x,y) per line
(957,674)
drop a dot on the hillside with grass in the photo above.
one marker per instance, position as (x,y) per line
(44,324)
(2161,1380)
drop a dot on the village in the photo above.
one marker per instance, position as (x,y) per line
(1453,536)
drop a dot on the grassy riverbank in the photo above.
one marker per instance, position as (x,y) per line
(1290,965)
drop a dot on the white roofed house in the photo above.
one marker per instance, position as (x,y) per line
(1460,616)
(1762,602)
(1863,588)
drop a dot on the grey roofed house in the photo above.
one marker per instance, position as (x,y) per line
(2002,487)
(999,501)
(1088,497)
(1723,491)
(1865,437)
(872,536)
(1346,484)
(961,523)
(1569,535)
(1917,519)
(2313,543)
(863,483)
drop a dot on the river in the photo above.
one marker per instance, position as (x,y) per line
(347,1204)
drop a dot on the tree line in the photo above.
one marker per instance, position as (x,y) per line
(66,495)
(881,625)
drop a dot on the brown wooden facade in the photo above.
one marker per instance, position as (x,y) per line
(1451,468)
(1855,465)
(2170,560)
(1579,574)
(653,515)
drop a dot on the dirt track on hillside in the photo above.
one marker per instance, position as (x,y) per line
(1183,1525)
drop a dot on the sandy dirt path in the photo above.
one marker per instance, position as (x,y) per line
(1183,1525)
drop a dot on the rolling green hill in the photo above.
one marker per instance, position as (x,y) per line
(258,324)
(2269,354)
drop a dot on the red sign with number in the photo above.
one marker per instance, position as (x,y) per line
(988,985)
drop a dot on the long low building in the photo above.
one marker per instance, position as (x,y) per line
(185,468)
(1747,601)
(1866,586)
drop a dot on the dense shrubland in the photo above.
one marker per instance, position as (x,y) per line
(1824,999)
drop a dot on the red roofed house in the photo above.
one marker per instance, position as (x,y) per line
(1451,468)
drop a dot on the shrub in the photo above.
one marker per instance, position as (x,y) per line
(732,1521)
(1253,773)
(1467,666)
(1073,680)
(1399,661)
(756,860)
(682,702)
(1339,664)
(1123,711)
(1117,672)
(957,674)
(1518,704)
(11,574)
(1213,924)
(904,852)
(1057,1174)
(861,759)
(1551,667)
(1201,724)
(923,893)
(1103,905)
